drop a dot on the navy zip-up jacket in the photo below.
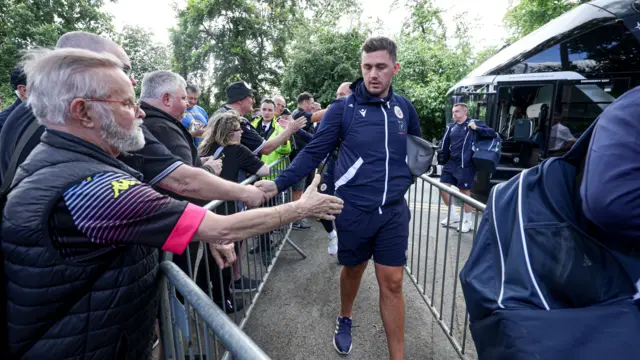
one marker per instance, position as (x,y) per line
(371,170)
(482,130)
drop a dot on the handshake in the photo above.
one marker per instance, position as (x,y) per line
(312,203)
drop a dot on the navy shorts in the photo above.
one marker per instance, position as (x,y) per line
(458,176)
(362,235)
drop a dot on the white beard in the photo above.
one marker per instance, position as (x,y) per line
(121,139)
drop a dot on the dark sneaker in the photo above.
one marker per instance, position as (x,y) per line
(342,337)
(301,225)
(244,284)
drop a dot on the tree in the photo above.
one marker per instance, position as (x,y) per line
(528,15)
(430,65)
(225,41)
(25,24)
(145,55)
(321,63)
(239,39)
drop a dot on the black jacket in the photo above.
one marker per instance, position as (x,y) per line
(103,308)
(171,133)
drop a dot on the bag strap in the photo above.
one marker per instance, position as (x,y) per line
(218,151)
(17,154)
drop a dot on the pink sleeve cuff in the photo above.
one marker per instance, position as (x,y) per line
(185,229)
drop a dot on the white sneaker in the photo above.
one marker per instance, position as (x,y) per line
(451,222)
(333,245)
(466,226)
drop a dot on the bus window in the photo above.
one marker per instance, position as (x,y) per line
(523,102)
(577,106)
(610,48)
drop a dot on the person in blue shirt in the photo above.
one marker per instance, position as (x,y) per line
(195,118)
(372,177)
(18,82)
(456,149)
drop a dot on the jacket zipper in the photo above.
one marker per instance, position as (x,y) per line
(386,146)
(463,144)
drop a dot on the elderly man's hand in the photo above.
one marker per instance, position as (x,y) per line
(317,205)
(225,255)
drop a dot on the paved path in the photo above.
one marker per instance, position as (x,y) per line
(295,316)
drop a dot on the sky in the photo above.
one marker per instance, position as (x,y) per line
(485,16)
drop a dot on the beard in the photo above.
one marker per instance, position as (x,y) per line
(122,139)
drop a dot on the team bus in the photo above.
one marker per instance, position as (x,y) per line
(543,91)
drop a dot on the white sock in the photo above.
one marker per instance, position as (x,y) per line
(333,234)
(467,216)
(452,212)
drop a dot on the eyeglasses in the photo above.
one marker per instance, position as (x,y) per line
(129,104)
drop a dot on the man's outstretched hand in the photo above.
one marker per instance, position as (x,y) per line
(320,206)
(268,187)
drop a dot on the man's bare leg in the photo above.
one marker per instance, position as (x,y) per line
(467,207)
(350,277)
(445,196)
(392,307)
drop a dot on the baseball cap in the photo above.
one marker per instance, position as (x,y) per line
(238,91)
(18,77)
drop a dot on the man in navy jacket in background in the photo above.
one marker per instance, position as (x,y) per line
(372,177)
(456,150)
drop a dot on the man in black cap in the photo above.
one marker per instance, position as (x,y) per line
(19,86)
(241,98)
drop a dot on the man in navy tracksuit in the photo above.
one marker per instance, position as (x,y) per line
(456,150)
(372,177)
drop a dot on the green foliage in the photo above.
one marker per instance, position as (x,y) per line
(528,15)
(430,65)
(25,24)
(321,63)
(145,55)
(221,41)
(239,39)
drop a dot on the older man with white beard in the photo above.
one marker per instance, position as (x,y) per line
(80,231)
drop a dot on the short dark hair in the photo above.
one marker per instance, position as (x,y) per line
(304,97)
(378,43)
(191,87)
(269,101)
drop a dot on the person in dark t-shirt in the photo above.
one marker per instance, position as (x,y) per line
(222,140)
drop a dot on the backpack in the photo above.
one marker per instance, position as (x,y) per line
(486,154)
(536,285)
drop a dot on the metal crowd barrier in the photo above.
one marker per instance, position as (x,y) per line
(437,254)
(194,292)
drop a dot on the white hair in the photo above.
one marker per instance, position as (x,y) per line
(157,83)
(56,77)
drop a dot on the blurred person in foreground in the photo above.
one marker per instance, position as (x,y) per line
(80,231)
